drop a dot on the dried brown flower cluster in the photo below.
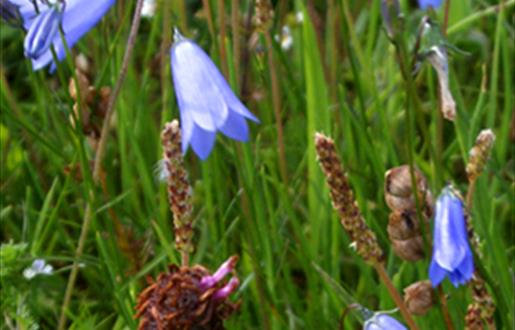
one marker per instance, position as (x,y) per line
(419,297)
(93,102)
(344,202)
(403,227)
(479,154)
(179,189)
(187,298)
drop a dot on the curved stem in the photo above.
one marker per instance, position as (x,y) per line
(395,296)
(97,167)
(445,309)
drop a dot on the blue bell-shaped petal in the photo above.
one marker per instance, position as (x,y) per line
(424,4)
(206,102)
(42,32)
(78,17)
(383,321)
(452,256)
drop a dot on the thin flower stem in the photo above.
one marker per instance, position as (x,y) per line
(97,168)
(445,308)
(412,99)
(470,194)
(209,17)
(235,24)
(446,16)
(185,258)
(395,296)
(276,100)
(223,33)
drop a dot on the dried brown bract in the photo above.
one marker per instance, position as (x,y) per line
(187,298)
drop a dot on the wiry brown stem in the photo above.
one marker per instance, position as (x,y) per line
(395,296)
(97,167)
(223,33)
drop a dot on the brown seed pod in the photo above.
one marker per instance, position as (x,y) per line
(411,249)
(399,193)
(419,297)
(177,300)
(403,225)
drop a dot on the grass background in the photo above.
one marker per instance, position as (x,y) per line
(340,77)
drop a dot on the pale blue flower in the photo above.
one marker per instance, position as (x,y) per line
(38,267)
(452,256)
(424,4)
(206,102)
(383,321)
(41,19)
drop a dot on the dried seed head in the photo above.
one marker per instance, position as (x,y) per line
(479,154)
(473,320)
(86,91)
(399,191)
(263,15)
(178,300)
(482,307)
(411,249)
(82,63)
(403,225)
(344,202)
(419,297)
(179,189)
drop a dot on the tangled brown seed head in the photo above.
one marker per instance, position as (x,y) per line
(344,202)
(419,297)
(479,154)
(179,300)
(179,189)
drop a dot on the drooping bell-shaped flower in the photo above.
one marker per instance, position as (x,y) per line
(383,321)
(41,20)
(452,256)
(206,102)
(424,4)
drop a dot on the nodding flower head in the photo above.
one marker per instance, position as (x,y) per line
(424,4)
(452,256)
(206,102)
(382,321)
(43,31)
(188,298)
(42,19)
(9,13)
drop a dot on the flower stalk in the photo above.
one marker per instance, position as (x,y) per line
(179,189)
(482,308)
(97,166)
(363,239)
